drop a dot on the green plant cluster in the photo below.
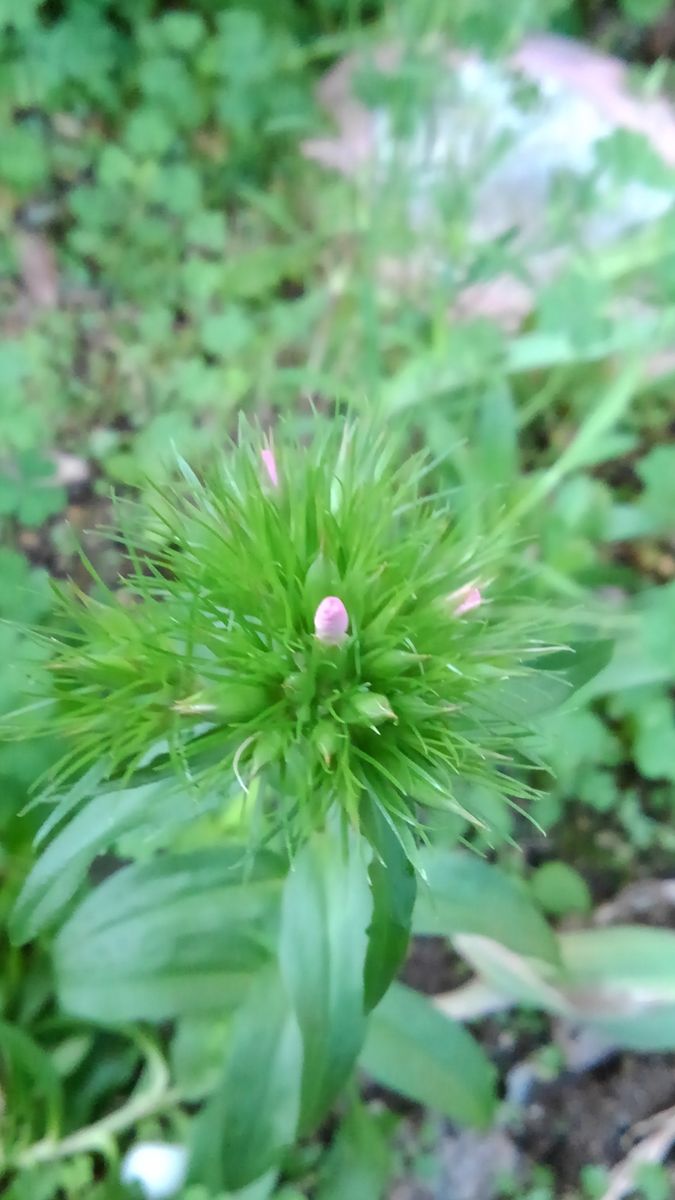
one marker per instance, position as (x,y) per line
(211,652)
(167,258)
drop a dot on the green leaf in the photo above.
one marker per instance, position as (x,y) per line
(644,11)
(657,472)
(148,133)
(182,31)
(654,747)
(657,625)
(529,697)
(207,229)
(464,894)
(252,1116)
(635,664)
(30,1080)
(653,1181)
(361,1159)
(196,1054)
(626,156)
(394,885)
(582,450)
(182,934)
(496,440)
(559,889)
(325,915)
(574,304)
(413,1049)
(438,373)
(167,83)
(622,980)
(178,187)
(60,870)
(28,491)
(579,663)
(226,333)
(152,812)
(554,682)
(26,594)
(25,158)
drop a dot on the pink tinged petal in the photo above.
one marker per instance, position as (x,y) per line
(466,598)
(331,621)
(270,465)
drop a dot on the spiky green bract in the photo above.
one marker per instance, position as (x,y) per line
(206,659)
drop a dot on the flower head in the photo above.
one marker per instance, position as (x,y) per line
(217,666)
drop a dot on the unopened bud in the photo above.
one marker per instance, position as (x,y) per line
(270,465)
(239,702)
(391,661)
(368,708)
(465,598)
(331,621)
(326,739)
(269,746)
(320,578)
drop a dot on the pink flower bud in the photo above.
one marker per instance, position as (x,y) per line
(270,465)
(331,621)
(465,598)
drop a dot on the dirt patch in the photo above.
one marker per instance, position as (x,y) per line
(574,1121)
(564,1124)
(432,966)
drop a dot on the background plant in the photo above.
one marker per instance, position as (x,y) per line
(170,258)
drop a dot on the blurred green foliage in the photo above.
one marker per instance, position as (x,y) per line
(167,256)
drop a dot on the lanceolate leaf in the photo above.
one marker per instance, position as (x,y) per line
(30,1081)
(393,884)
(464,894)
(361,1160)
(529,696)
(182,934)
(252,1115)
(622,980)
(61,868)
(326,911)
(580,663)
(556,680)
(414,1050)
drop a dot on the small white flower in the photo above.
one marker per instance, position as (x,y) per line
(158,1167)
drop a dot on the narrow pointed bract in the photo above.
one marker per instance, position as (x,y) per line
(317,655)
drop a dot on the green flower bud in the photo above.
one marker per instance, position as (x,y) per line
(321,579)
(367,708)
(268,748)
(194,706)
(416,708)
(238,702)
(326,739)
(391,662)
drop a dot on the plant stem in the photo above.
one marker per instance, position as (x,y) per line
(91,1136)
